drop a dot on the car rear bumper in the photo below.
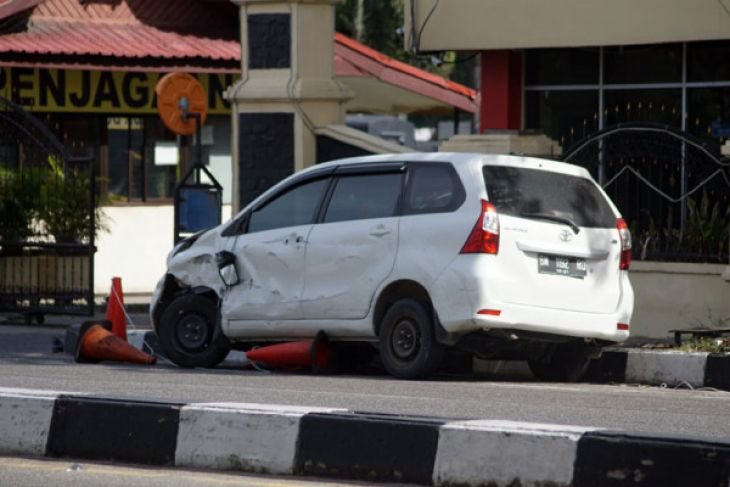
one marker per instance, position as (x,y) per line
(460,293)
(556,322)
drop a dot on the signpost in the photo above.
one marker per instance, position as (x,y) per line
(183,106)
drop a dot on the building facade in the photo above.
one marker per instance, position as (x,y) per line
(636,92)
(88,70)
(655,71)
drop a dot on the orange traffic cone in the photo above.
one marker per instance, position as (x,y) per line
(97,343)
(304,353)
(115,309)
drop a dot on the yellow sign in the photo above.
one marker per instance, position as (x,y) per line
(109,92)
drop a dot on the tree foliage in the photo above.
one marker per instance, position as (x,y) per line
(381,27)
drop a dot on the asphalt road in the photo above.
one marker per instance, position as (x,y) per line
(26,361)
(24,472)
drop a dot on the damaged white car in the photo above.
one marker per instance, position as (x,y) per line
(503,257)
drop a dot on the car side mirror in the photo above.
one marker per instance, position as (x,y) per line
(227,268)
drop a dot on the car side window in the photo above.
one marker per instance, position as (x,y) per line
(295,207)
(433,188)
(364,196)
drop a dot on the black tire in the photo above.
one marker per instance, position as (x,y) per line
(408,347)
(187,330)
(568,363)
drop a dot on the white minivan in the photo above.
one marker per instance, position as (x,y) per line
(504,257)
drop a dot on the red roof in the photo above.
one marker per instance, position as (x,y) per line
(12,7)
(116,39)
(129,29)
(352,58)
(160,13)
(389,62)
(192,34)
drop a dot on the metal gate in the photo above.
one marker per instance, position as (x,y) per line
(672,188)
(47,220)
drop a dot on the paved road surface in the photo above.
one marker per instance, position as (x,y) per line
(23,472)
(26,361)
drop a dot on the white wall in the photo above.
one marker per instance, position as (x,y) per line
(676,295)
(510,24)
(136,247)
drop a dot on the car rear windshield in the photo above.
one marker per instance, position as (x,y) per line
(532,193)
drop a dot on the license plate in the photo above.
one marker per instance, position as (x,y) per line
(561,266)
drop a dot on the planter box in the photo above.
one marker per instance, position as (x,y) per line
(41,273)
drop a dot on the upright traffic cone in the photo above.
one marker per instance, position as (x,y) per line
(97,343)
(304,353)
(115,309)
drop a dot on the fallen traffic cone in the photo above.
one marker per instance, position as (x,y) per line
(304,353)
(115,309)
(97,343)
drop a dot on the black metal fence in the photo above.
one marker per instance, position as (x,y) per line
(672,189)
(47,220)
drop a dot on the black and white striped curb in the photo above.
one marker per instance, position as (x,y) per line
(662,367)
(338,443)
(619,365)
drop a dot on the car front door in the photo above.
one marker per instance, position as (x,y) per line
(270,256)
(353,248)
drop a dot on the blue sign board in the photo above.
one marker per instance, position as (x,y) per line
(200,208)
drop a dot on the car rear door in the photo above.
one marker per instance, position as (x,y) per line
(353,247)
(559,243)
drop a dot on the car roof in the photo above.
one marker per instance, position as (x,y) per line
(460,158)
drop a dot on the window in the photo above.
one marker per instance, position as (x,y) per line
(707,61)
(364,196)
(707,106)
(564,116)
(295,207)
(516,191)
(433,188)
(662,106)
(136,172)
(659,63)
(561,66)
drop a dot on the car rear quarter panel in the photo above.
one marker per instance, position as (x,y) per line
(429,245)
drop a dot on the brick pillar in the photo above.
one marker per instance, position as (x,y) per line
(501,90)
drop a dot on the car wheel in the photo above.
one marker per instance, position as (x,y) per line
(186,332)
(408,347)
(568,363)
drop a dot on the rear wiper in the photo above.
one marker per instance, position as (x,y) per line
(555,218)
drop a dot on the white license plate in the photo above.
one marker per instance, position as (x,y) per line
(561,265)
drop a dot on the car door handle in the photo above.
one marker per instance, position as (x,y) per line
(380,232)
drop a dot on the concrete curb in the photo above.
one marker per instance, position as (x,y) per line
(663,367)
(324,442)
(632,365)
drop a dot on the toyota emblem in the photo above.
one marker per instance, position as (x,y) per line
(566,236)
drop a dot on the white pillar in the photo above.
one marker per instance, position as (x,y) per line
(287,90)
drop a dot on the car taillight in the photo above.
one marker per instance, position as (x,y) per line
(484,237)
(625,235)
